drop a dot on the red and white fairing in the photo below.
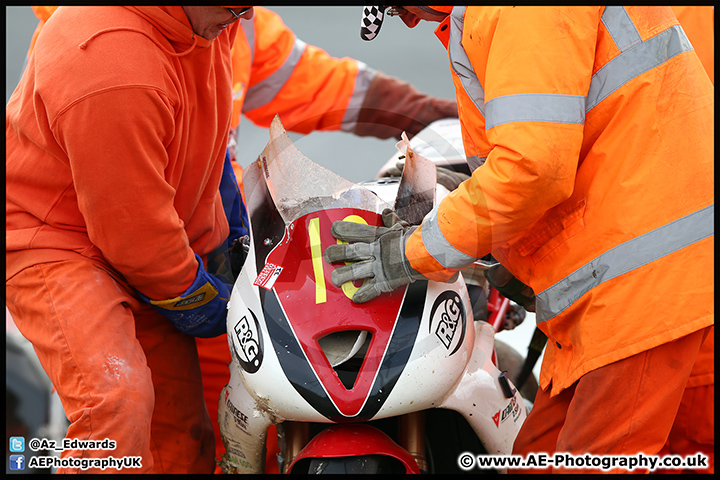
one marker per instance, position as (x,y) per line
(290,330)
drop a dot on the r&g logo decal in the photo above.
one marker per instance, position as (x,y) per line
(248,343)
(447,320)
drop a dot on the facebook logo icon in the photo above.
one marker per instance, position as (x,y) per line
(17,462)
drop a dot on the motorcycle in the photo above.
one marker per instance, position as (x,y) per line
(404,383)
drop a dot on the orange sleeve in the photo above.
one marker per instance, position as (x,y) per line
(312,88)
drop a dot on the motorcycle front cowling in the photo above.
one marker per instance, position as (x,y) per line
(305,355)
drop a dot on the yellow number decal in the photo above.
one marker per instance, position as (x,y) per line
(316,255)
(348,288)
(317,261)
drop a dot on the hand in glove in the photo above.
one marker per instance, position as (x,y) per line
(510,287)
(201,310)
(379,253)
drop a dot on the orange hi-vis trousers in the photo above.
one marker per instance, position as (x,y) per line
(694,429)
(122,371)
(623,409)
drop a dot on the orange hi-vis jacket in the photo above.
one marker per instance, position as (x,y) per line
(274,72)
(591,131)
(124,166)
(698,23)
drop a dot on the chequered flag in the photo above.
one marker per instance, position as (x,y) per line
(371,21)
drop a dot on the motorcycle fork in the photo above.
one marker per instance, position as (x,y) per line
(412,437)
(295,435)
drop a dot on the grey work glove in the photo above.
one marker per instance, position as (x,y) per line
(379,256)
(510,287)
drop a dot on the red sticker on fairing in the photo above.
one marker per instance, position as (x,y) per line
(268,275)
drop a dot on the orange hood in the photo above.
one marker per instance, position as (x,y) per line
(172,21)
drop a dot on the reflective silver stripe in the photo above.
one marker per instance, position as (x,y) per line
(263,92)
(248,27)
(460,62)
(620,27)
(635,61)
(439,248)
(474,162)
(624,258)
(364,78)
(535,107)
(637,57)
